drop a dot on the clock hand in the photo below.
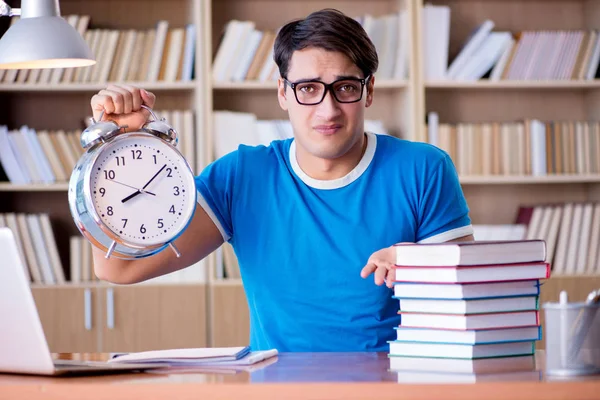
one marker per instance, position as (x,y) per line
(133,187)
(131,196)
(155,175)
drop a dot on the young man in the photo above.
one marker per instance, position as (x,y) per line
(311,217)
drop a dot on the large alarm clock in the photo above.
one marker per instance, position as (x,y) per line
(132,194)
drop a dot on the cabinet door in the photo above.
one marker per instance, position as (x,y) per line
(67,316)
(144,317)
(230,321)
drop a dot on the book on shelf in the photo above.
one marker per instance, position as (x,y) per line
(571,231)
(163,53)
(232,128)
(37,247)
(527,147)
(537,55)
(245,52)
(30,156)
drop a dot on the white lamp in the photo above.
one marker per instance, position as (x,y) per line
(41,38)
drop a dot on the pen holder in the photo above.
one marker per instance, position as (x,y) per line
(572,333)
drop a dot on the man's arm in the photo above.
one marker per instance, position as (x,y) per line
(200,238)
(123,104)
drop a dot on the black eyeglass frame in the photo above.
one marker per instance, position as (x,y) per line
(329,87)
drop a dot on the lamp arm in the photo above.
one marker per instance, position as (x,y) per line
(8,11)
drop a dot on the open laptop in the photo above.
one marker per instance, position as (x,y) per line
(23,345)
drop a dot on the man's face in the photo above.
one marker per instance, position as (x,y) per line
(327,130)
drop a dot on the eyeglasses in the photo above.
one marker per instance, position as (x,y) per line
(312,92)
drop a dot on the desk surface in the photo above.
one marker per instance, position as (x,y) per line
(291,376)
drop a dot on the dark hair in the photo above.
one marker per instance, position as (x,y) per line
(330,30)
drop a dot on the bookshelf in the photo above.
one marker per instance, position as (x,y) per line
(401,104)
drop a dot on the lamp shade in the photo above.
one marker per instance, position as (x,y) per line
(43,42)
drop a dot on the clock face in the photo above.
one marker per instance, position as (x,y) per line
(142,190)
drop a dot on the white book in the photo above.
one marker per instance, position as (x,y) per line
(485,56)
(593,63)
(436,35)
(126,55)
(443,350)
(501,65)
(22,152)
(38,155)
(189,53)
(457,365)
(594,240)
(474,321)
(538,147)
(471,45)
(9,160)
(41,249)
(404,47)
(584,240)
(471,306)
(470,337)
(50,241)
(470,253)
(157,50)
(574,237)
(225,50)
(560,258)
(174,55)
(246,57)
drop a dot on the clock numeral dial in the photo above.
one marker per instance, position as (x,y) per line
(151,197)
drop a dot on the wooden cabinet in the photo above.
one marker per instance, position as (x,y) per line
(153,317)
(229,319)
(122,318)
(67,316)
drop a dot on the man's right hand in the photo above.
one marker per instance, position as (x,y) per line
(123,105)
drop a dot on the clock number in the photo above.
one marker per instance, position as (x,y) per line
(120,160)
(160,223)
(169,173)
(109,210)
(172,210)
(124,222)
(102,191)
(154,156)
(176,190)
(142,229)
(136,154)
(109,174)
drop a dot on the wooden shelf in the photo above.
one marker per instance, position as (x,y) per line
(505,84)
(487,180)
(93,87)
(38,187)
(254,85)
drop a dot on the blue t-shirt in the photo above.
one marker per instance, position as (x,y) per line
(301,243)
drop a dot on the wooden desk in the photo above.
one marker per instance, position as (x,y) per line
(290,376)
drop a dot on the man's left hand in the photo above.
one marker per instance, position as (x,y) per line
(382,264)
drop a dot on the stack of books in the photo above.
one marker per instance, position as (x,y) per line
(469,310)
